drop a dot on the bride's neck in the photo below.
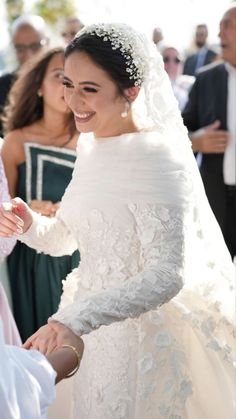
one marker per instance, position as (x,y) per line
(126,126)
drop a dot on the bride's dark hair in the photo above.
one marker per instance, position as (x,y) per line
(101,52)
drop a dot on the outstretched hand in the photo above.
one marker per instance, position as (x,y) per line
(44,340)
(15,217)
(50,337)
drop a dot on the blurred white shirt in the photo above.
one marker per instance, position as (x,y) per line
(26,382)
(229,164)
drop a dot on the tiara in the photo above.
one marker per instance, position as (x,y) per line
(124,38)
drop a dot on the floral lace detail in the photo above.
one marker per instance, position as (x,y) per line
(43,236)
(160,272)
(211,328)
(158,228)
(114,263)
(169,361)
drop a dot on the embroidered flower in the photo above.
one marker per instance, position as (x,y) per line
(146,363)
(163,340)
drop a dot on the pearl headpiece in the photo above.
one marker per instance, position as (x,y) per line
(125,39)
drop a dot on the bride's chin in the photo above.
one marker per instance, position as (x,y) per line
(83,128)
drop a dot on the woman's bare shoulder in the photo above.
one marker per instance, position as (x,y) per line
(13,145)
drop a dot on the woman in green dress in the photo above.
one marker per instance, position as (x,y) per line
(38,155)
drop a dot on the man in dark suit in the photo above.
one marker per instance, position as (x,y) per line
(28,38)
(203,56)
(210,117)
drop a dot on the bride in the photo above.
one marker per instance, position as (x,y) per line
(153,296)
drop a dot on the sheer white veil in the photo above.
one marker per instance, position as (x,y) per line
(209,267)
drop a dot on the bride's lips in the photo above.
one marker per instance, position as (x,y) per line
(83,116)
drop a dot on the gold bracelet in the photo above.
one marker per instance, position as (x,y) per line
(78,359)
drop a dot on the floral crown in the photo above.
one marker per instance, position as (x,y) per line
(124,38)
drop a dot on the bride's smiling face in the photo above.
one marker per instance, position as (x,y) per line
(92,96)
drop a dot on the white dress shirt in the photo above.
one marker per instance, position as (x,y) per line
(201,54)
(26,382)
(230,151)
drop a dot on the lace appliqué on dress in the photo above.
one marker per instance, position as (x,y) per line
(160,277)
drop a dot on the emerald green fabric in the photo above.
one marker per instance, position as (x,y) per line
(36,278)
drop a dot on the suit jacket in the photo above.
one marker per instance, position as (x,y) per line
(191,61)
(208,102)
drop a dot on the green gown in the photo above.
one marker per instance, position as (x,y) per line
(36,278)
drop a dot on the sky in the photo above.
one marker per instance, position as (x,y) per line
(177,18)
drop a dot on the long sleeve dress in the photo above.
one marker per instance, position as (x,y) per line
(157,324)
(10,331)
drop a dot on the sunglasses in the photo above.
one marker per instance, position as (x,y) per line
(35,46)
(69,34)
(175,60)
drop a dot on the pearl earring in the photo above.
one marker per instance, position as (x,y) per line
(124,114)
(39,93)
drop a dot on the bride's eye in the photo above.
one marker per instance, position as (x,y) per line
(67,84)
(90,89)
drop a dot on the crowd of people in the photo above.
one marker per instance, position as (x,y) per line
(118,223)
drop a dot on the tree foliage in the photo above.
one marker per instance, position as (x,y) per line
(14,8)
(53,10)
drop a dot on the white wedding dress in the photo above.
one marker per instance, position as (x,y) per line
(153,300)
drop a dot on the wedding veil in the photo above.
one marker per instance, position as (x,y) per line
(209,267)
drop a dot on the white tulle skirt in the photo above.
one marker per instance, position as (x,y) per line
(174,363)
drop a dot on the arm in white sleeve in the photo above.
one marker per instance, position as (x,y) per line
(26,383)
(49,235)
(161,234)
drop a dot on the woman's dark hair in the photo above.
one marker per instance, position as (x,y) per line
(24,104)
(101,52)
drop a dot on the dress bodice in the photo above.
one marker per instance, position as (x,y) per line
(108,190)
(45,173)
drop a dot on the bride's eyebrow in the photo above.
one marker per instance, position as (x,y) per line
(82,83)
(67,79)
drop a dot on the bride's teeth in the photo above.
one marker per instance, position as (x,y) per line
(83,115)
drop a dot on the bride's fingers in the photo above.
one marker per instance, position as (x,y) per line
(29,343)
(9,220)
(46,345)
(8,229)
(51,347)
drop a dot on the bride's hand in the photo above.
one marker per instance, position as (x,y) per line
(52,336)
(47,208)
(15,217)
(44,340)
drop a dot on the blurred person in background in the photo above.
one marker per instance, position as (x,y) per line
(38,154)
(28,33)
(71,26)
(210,116)
(204,55)
(157,37)
(180,83)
